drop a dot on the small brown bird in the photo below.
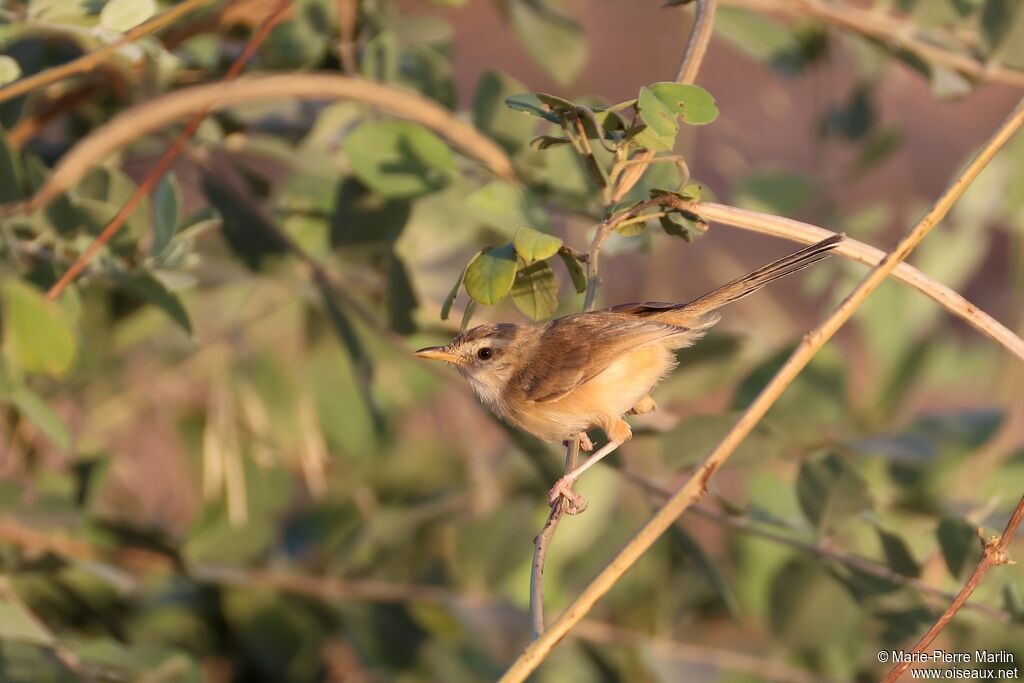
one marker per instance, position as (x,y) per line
(568,375)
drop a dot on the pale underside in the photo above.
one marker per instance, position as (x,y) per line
(601,400)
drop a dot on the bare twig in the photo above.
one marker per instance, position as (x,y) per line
(543,541)
(994,554)
(787,228)
(163,163)
(890,30)
(158,113)
(693,57)
(91,60)
(692,490)
(336,589)
(348,18)
(819,550)
(726,660)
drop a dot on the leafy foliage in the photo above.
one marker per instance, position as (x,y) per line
(219,462)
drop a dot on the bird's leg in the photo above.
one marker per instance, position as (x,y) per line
(617,432)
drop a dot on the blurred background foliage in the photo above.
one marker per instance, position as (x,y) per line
(220,463)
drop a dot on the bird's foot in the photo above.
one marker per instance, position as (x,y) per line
(585,443)
(572,502)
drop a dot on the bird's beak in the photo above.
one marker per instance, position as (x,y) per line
(439,353)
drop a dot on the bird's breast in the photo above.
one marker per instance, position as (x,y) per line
(595,403)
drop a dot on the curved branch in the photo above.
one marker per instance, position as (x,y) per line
(786,228)
(993,554)
(91,60)
(889,30)
(161,166)
(694,487)
(162,111)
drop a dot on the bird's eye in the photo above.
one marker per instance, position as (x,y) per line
(485,353)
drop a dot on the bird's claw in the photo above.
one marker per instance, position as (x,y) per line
(585,443)
(572,502)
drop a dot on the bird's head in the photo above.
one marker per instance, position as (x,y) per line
(485,355)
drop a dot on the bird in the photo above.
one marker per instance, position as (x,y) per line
(563,377)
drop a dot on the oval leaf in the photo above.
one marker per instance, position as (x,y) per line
(490,274)
(534,245)
(122,15)
(692,102)
(660,119)
(10,70)
(536,291)
(399,159)
(38,336)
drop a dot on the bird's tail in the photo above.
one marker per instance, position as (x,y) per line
(701,312)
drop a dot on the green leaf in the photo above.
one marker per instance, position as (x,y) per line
(491,116)
(555,41)
(399,159)
(996,20)
(648,139)
(146,287)
(38,334)
(766,40)
(10,70)
(579,278)
(41,415)
(775,191)
(17,623)
(543,142)
(830,491)
(122,15)
(506,206)
(658,116)
(958,540)
(1013,603)
(166,212)
(11,189)
(708,568)
(692,102)
(531,104)
(897,554)
(490,274)
(400,297)
(449,300)
(677,226)
(534,245)
(535,291)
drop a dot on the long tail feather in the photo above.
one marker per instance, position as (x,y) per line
(701,312)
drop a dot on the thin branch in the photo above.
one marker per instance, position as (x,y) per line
(817,550)
(692,490)
(91,60)
(151,116)
(543,541)
(806,233)
(336,589)
(348,20)
(700,39)
(162,164)
(892,31)
(725,660)
(994,554)
(693,57)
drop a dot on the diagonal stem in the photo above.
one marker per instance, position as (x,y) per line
(695,486)
(165,161)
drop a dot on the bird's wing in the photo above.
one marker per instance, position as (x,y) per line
(576,348)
